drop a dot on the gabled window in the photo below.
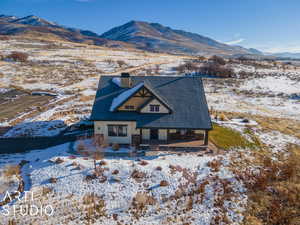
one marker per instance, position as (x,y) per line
(154,108)
(117,130)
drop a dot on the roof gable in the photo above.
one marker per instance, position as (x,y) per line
(126,95)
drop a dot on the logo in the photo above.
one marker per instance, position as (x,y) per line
(26,206)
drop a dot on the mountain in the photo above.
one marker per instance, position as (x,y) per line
(135,34)
(6,18)
(156,37)
(33,21)
(34,26)
(291,55)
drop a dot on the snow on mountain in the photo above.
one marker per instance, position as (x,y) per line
(5,18)
(34,21)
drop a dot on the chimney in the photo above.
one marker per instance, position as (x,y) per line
(125,80)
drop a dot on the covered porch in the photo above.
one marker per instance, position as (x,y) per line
(171,138)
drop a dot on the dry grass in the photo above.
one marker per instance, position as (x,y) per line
(283,125)
(140,202)
(274,193)
(85,98)
(11,170)
(94,208)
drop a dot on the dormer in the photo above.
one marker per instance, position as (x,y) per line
(142,99)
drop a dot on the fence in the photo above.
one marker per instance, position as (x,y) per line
(23,144)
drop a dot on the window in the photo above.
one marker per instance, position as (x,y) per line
(117,130)
(154,108)
(131,107)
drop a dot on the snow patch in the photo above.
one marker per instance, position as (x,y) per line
(123,96)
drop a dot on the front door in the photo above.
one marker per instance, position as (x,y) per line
(154,134)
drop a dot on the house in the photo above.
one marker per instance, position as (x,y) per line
(150,109)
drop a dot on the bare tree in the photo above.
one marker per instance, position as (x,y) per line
(218,60)
(121,63)
(95,150)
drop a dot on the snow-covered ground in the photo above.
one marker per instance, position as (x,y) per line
(267,93)
(272,85)
(37,128)
(184,174)
(72,72)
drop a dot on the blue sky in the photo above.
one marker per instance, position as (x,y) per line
(269,25)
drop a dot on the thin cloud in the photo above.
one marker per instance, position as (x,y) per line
(235,42)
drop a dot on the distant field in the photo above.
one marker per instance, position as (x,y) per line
(13,104)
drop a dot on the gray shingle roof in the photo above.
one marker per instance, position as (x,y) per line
(185,95)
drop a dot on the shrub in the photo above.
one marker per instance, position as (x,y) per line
(141,200)
(121,63)
(217,59)
(59,161)
(214,165)
(109,61)
(90,177)
(46,190)
(158,168)
(245,121)
(53,180)
(138,175)
(222,117)
(164,183)
(102,163)
(102,179)
(115,147)
(18,56)
(215,69)
(11,170)
(143,163)
(187,67)
(115,172)
(4,38)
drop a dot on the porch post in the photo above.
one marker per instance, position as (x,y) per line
(141,138)
(206,137)
(168,134)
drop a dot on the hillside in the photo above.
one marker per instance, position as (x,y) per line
(38,27)
(135,34)
(156,37)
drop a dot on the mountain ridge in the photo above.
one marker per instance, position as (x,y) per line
(133,34)
(155,37)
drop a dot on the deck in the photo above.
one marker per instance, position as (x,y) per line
(178,145)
